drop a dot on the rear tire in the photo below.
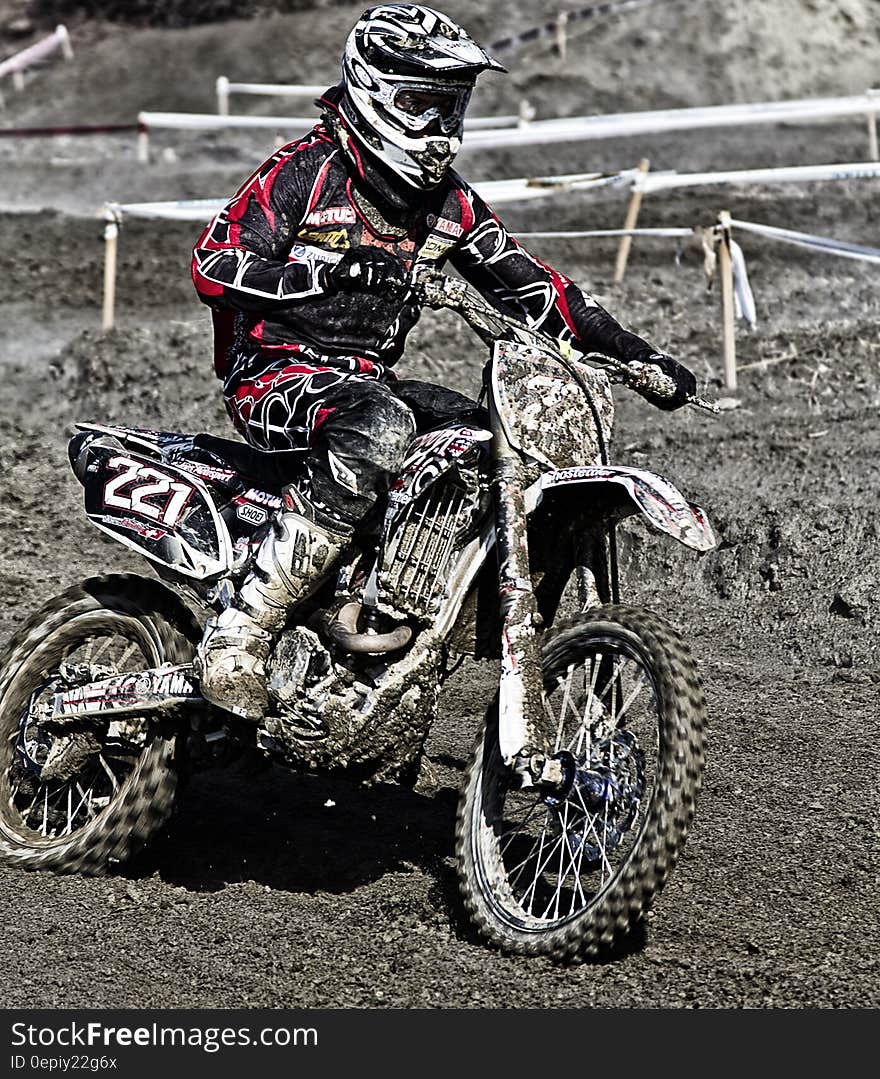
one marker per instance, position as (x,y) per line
(570,877)
(119,798)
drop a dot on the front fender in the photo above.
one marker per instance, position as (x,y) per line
(651,495)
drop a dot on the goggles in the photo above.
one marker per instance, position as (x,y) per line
(419,106)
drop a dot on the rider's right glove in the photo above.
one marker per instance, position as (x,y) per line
(685,383)
(370,269)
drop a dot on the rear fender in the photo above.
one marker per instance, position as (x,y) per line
(654,497)
(163,512)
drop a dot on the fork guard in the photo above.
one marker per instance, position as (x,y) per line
(655,498)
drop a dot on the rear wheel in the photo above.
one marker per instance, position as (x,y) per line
(85,797)
(569,874)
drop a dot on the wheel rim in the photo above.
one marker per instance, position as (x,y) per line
(83,649)
(545,861)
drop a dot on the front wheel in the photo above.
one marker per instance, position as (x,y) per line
(83,799)
(568,874)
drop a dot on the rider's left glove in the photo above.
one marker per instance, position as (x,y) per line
(685,383)
(369,269)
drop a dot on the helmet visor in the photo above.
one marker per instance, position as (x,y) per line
(419,107)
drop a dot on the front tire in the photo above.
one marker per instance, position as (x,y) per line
(569,875)
(122,787)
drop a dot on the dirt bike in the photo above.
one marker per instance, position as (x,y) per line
(578,796)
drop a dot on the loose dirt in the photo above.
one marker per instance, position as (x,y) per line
(262,892)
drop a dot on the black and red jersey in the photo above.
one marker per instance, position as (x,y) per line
(262,253)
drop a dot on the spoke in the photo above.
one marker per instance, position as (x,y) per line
(560,876)
(624,708)
(532,888)
(591,824)
(518,868)
(605,860)
(615,682)
(102,647)
(543,866)
(85,800)
(584,729)
(27,815)
(563,709)
(514,830)
(44,828)
(576,866)
(125,655)
(109,772)
(69,827)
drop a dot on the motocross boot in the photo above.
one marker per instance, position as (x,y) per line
(290,562)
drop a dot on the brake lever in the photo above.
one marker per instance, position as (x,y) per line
(647,376)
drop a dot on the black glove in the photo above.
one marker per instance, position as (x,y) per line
(368,269)
(685,383)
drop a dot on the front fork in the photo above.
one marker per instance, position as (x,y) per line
(522,735)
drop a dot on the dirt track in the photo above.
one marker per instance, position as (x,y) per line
(262,893)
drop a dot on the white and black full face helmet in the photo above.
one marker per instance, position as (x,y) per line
(407,77)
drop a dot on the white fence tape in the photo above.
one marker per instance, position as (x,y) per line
(225,87)
(815,243)
(289,126)
(615,125)
(742,290)
(209,121)
(58,39)
(666,181)
(493,191)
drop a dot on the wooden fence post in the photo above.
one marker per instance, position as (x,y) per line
(64,37)
(143,142)
(873,152)
(632,216)
(111,238)
(728,309)
(561,36)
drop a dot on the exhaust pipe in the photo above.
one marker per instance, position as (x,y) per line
(342,630)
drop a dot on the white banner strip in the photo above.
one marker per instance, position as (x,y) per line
(210,121)
(615,125)
(816,243)
(606,232)
(58,39)
(278,89)
(865,170)
(493,191)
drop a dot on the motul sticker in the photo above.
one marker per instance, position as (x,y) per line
(333,215)
(262,498)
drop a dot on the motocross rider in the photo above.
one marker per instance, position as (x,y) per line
(305,269)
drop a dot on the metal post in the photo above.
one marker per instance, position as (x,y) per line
(632,216)
(728,310)
(111,237)
(223,95)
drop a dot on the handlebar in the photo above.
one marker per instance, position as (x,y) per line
(437,290)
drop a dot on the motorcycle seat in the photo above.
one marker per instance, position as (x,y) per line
(270,469)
